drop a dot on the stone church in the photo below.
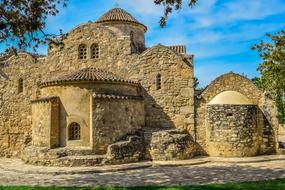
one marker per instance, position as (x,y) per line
(100,96)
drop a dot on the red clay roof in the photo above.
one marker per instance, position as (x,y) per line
(118,15)
(87,74)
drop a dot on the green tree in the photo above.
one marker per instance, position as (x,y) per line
(272,69)
(169,5)
(259,82)
(22,21)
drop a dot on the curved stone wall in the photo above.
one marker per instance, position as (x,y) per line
(266,112)
(232,130)
(92,105)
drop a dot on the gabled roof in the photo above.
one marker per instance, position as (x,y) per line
(181,49)
(87,75)
(118,15)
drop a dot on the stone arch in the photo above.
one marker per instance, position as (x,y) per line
(266,112)
(232,82)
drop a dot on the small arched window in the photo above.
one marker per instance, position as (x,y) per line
(158,81)
(20,85)
(82,51)
(74,131)
(132,36)
(95,51)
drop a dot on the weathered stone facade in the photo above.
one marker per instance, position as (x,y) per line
(266,115)
(115,94)
(232,130)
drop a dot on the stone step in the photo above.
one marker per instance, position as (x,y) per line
(88,160)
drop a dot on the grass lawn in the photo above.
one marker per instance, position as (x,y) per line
(278,184)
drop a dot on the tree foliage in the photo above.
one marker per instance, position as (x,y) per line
(22,21)
(272,69)
(169,5)
(259,82)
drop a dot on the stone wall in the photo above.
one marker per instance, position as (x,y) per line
(270,125)
(137,37)
(266,114)
(45,122)
(172,105)
(15,107)
(113,119)
(226,82)
(74,107)
(175,144)
(232,130)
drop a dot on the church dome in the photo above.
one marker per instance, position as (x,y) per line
(118,15)
(88,75)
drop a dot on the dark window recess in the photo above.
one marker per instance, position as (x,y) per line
(158,81)
(74,131)
(95,51)
(20,85)
(229,114)
(82,52)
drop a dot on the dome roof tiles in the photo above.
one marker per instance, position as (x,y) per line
(118,15)
(87,74)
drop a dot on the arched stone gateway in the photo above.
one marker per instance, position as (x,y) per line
(231,123)
(235,119)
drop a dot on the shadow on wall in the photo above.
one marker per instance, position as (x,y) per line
(155,116)
(62,126)
(268,136)
(2,74)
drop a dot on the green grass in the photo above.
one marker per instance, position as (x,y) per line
(278,184)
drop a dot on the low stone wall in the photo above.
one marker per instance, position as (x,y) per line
(125,151)
(175,144)
(232,130)
(131,150)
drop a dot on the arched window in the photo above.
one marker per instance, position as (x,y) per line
(95,51)
(20,85)
(74,131)
(132,36)
(158,81)
(82,51)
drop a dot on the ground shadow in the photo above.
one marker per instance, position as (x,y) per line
(170,176)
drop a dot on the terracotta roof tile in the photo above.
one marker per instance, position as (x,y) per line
(45,99)
(87,74)
(118,14)
(113,96)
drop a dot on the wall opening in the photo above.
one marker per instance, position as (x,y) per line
(74,131)
(20,85)
(95,51)
(229,114)
(158,81)
(82,51)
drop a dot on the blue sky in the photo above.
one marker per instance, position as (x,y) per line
(219,33)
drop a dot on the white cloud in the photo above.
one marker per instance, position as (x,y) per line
(236,10)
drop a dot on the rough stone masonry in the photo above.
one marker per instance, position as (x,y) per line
(100,96)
